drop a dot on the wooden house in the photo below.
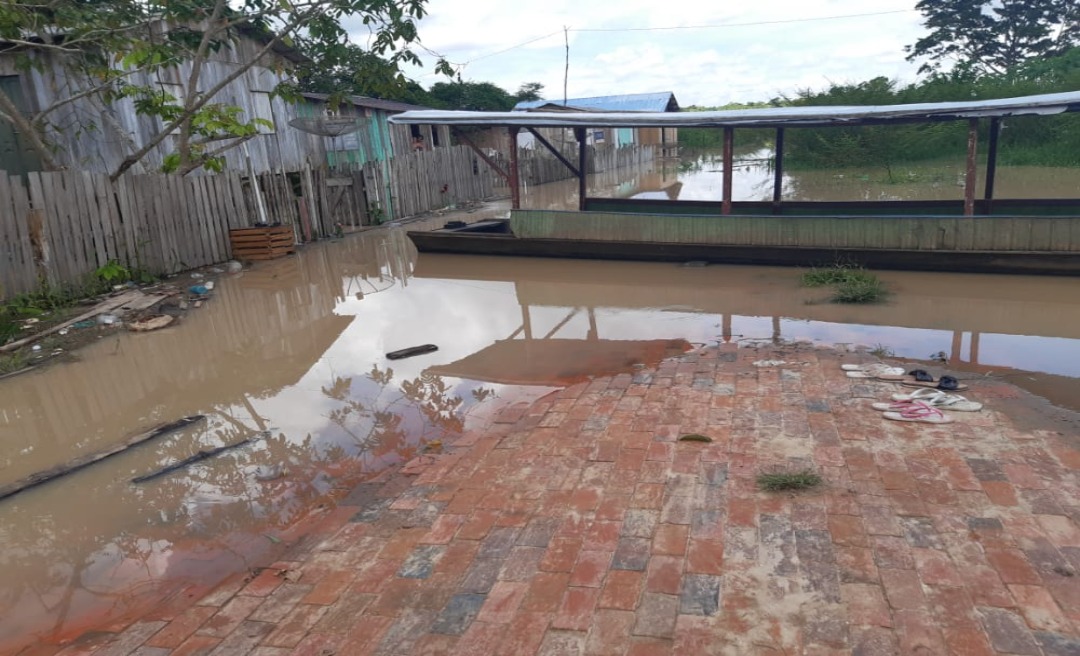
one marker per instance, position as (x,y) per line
(375,139)
(666,138)
(92,135)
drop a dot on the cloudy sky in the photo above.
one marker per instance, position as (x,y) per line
(723,51)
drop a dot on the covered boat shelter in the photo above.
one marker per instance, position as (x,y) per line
(778,118)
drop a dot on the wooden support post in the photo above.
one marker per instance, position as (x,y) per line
(526,321)
(583,171)
(554,151)
(970,174)
(729,157)
(778,171)
(991,163)
(515,180)
(495,167)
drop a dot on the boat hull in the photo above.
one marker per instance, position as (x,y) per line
(1022,262)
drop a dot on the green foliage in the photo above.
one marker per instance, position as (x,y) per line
(712,138)
(1042,140)
(859,291)
(850,283)
(993,37)
(836,274)
(109,47)
(785,481)
(480,96)
(113,272)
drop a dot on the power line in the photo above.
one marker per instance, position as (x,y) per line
(677,27)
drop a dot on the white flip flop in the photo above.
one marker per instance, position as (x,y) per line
(877,370)
(936,399)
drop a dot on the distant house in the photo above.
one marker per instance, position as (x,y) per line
(637,102)
(375,140)
(91,135)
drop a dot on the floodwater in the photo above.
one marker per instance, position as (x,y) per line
(291,355)
(698,177)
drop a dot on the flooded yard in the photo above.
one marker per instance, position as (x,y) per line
(291,355)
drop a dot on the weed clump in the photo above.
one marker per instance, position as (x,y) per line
(850,283)
(782,481)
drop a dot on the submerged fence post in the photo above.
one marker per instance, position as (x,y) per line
(579,134)
(970,174)
(729,156)
(515,182)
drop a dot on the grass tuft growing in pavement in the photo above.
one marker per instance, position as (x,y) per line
(779,482)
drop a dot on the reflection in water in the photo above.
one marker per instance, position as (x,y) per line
(699,175)
(277,356)
(294,350)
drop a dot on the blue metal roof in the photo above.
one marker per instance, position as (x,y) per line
(633,102)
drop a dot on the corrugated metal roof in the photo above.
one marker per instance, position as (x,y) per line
(631,102)
(1051,103)
(373,103)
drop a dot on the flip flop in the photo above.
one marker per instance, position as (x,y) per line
(934,398)
(956,403)
(946,383)
(919,412)
(918,395)
(878,370)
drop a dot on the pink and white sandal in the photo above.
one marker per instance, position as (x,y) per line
(917,411)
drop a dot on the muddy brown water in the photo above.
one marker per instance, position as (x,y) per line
(291,353)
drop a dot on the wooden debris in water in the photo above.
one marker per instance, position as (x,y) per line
(84,461)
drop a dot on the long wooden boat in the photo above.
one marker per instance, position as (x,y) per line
(973,234)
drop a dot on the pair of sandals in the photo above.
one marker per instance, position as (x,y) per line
(926,406)
(914,378)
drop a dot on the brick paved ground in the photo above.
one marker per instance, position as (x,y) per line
(580,525)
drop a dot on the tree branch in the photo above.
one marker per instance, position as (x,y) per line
(205,97)
(20,122)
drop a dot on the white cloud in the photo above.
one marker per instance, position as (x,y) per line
(701,66)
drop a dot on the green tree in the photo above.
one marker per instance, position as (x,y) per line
(471,96)
(352,70)
(106,48)
(993,36)
(529,91)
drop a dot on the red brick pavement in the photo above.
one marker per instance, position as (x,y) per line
(580,525)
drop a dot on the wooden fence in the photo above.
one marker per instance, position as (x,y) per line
(415,183)
(58,228)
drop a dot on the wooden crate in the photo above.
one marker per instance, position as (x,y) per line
(267,243)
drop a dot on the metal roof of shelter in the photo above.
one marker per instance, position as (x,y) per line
(1044,104)
(663,101)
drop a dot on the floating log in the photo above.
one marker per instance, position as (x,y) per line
(201,455)
(84,461)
